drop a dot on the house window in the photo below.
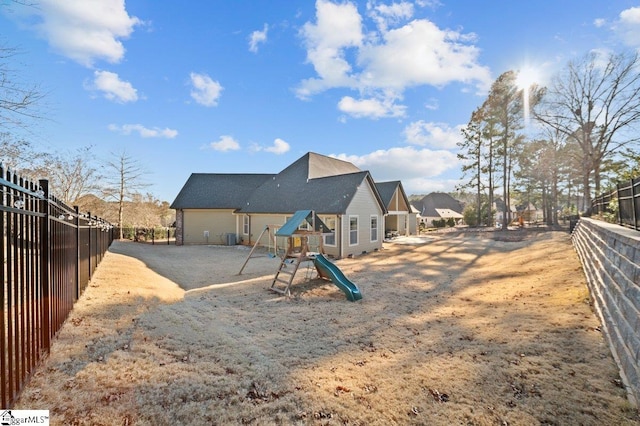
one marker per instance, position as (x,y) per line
(330,240)
(304,226)
(245,225)
(374,228)
(353,230)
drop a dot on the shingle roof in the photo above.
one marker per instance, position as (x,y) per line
(217,191)
(291,191)
(388,189)
(313,182)
(437,200)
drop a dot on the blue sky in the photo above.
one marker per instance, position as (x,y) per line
(250,86)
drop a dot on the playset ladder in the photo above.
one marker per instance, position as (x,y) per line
(284,277)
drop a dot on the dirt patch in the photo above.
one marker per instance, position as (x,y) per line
(452,329)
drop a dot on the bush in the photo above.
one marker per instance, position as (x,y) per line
(611,212)
(439,223)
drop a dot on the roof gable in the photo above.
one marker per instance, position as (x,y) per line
(387,192)
(217,191)
(320,166)
(292,191)
(438,200)
(331,191)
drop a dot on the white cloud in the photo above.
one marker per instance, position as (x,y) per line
(279,147)
(628,27)
(435,135)
(144,132)
(421,170)
(385,15)
(337,27)
(258,37)
(426,186)
(404,163)
(420,53)
(599,22)
(226,143)
(84,30)
(370,108)
(112,87)
(384,63)
(205,91)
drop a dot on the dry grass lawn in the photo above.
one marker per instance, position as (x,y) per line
(453,329)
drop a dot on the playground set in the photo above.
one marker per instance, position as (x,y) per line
(297,251)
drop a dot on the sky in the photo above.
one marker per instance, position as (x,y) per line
(250,86)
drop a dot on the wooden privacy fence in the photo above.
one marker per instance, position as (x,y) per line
(627,195)
(49,252)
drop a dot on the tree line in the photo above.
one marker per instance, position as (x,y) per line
(580,139)
(112,188)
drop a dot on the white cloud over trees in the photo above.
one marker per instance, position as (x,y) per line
(112,87)
(381,63)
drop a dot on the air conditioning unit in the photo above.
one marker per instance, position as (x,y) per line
(231,239)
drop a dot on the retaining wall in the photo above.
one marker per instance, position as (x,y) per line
(610,256)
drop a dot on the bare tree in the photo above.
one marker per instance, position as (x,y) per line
(595,102)
(18,101)
(74,176)
(125,181)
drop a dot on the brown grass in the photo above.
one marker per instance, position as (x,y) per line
(452,329)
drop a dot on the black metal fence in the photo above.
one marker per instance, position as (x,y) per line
(49,252)
(627,195)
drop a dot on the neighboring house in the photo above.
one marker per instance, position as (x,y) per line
(500,208)
(212,207)
(400,219)
(530,213)
(438,205)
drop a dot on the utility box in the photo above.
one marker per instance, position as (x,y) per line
(231,239)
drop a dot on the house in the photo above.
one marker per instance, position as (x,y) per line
(400,219)
(226,208)
(437,206)
(530,212)
(500,208)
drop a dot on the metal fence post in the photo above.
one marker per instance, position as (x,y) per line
(89,242)
(44,263)
(633,204)
(77,209)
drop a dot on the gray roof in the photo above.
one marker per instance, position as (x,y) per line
(293,189)
(313,182)
(217,191)
(437,200)
(387,189)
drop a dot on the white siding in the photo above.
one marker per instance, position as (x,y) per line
(363,205)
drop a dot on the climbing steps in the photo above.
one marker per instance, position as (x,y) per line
(289,266)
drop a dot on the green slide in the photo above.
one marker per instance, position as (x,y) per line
(326,269)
